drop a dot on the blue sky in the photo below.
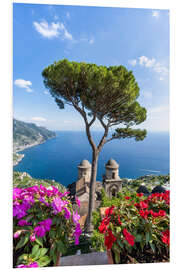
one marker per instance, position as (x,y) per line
(135,38)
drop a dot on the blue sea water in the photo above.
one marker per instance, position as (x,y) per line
(59,157)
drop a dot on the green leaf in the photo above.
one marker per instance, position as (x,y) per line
(39,241)
(147,237)
(43,251)
(61,247)
(117,257)
(22,258)
(37,255)
(23,241)
(43,261)
(152,246)
(52,234)
(120,243)
(34,250)
(138,238)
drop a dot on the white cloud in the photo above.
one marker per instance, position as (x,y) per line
(133,62)
(38,119)
(24,84)
(46,92)
(155,14)
(146,62)
(52,30)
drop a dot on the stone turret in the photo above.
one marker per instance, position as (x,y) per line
(111,180)
(84,170)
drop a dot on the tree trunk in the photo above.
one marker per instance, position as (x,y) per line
(91,206)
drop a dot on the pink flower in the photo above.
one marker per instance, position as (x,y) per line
(17,234)
(23,222)
(76,217)
(45,226)
(32,237)
(58,204)
(46,223)
(34,264)
(67,214)
(40,231)
(78,202)
(17,193)
(77,233)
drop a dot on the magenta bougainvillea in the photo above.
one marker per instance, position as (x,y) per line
(43,217)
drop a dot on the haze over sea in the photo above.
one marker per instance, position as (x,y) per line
(59,157)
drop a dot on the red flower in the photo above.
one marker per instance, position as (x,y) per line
(139,194)
(127,197)
(144,213)
(165,237)
(143,205)
(109,239)
(162,213)
(129,237)
(102,228)
(105,222)
(137,205)
(109,211)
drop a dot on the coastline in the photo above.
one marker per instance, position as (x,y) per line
(24,147)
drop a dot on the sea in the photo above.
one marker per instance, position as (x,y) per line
(58,158)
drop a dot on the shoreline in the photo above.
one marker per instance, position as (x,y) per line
(22,148)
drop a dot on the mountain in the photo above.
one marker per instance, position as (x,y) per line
(28,134)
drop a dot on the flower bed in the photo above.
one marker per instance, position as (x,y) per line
(43,220)
(136,229)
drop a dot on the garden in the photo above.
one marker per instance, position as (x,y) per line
(131,228)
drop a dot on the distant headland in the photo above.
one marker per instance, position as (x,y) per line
(27,135)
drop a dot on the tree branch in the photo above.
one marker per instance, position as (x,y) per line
(103,139)
(92,121)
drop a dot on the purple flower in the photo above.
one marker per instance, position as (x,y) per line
(18,211)
(17,193)
(17,234)
(45,226)
(29,199)
(78,202)
(58,204)
(34,264)
(32,237)
(23,222)
(64,194)
(43,201)
(76,217)
(22,266)
(40,231)
(77,233)
(67,214)
(46,223)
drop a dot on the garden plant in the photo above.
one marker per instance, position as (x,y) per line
(43,221)
(135,228)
